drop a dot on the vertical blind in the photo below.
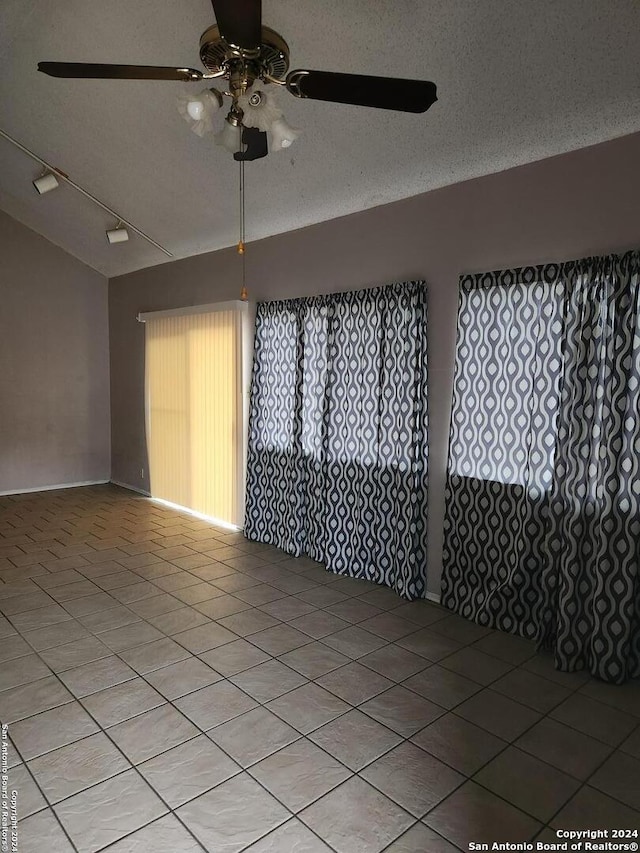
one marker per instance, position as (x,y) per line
(195,432)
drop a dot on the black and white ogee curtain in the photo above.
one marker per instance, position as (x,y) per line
(542,521)
(337,452)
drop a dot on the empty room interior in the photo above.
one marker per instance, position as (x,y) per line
(319,426)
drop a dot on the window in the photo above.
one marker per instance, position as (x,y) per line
(508,363)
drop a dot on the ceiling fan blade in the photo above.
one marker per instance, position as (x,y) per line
(410,96)
(117,72)
(239,22)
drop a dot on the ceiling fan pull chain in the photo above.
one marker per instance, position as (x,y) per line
(241,244)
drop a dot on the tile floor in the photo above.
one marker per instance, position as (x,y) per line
(171,687)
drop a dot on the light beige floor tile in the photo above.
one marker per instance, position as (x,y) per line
(79,765)
(253,736)
(564,748)
(117,704)
(354,683)
(154,606)
(92,677)
(29,699)
(291,836)
(52,729)
(115,616)
(42,831)
(529,784)
(188,770)
(592,809)
(152,656)
(459,743)
(6,628)
(90,604)
(299,774)
(421,839)
(279,639)
(13,604)
(74,654)
(402,710)
(355,739)
(234,657)
(233,815)
(354,641)
(148,734)
(308,707)
(13,647)
(73,591)
(56,635)
(29,797)
(22,670)
(130,636)
(182,678)
(198,593)
(314,659)
(414,779)
(215,704)
(268,680)
(457,818)
(394,662)
(105,813)
(166,835)
(204,637)
(178,620)
(356,818)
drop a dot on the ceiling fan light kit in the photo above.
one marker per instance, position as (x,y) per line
(250,56)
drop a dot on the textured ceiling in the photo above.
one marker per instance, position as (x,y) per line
(517,81)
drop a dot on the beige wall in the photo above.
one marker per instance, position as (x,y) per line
(54,365)
(582,203)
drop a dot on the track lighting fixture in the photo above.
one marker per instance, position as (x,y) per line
(119,234)
(50,179)
(46,182)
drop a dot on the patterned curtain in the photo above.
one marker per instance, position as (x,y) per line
(542,520)
(337,451)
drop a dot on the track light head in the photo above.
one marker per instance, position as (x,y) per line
(45,183)
(119,234)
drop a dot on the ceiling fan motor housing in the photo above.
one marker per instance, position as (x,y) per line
(271,60)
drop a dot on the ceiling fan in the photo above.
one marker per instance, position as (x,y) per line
(240,50)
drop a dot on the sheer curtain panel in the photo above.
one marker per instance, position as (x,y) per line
(542,520)
(195,430)
(337,451)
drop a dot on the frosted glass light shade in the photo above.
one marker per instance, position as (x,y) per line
(259,107)
(282,134)
(199,108)
(229,137)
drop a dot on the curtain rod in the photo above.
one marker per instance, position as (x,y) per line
(84,192)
